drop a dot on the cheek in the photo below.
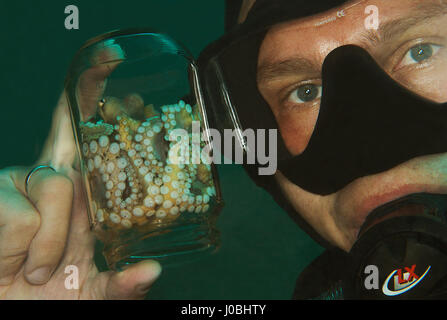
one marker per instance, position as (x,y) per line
(296,129)
(440,86)
(430,83)
(433,88)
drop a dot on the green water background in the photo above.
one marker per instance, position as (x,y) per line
(262,250)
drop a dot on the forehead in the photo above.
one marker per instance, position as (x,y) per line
(336,27)
(354,11)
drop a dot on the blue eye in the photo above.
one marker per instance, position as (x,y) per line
(305,93)
(420,53)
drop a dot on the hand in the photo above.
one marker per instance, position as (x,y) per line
(47,229)
(43,233)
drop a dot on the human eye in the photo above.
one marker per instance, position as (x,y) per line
(419,54)
(305,93)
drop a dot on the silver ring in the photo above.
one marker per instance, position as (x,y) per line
(33,171)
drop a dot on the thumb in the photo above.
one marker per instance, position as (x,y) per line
(60,146)
(134,282)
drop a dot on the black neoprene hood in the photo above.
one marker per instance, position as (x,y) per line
(368,123)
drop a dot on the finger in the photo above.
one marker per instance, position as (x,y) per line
(134,282)
(81,241)
(51,193)
(60,147)
(92,82)
(19,222)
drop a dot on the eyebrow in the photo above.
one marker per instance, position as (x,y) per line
(293,65)
(386,32)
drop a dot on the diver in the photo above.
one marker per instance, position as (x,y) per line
(357,92)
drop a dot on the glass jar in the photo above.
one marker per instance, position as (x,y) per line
(140,126)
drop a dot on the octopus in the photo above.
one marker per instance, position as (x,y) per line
(127,155)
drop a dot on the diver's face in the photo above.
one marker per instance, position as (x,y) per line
(410,45)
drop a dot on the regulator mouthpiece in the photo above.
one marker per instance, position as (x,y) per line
(401,251)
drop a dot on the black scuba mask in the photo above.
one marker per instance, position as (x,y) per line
(368,123)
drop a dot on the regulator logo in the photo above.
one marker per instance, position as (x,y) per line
(398,281)
(402,281)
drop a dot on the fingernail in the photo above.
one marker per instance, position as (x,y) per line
(146,286)
(40,275)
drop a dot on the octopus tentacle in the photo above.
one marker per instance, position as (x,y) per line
(133,163)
